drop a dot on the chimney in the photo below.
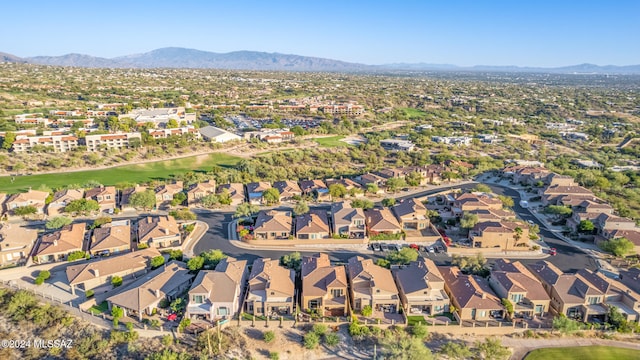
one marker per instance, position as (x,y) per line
(96,272)
(157,291)
(55,242)
(166,231)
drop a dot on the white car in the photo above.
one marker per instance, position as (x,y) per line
(431,250)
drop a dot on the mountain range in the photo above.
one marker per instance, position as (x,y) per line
(174,57)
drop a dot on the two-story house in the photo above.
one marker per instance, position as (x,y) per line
(271,290)
(34,198)
(421,288)
(61,199)
(503,234)
(411,214)
(347,221)
(106,196)
(381,221)
(218,294)
(159,232)
(514,282)
(57,245)
(471,295)
(371,285)
(166,192)
(15,243)
(324,287)
(199,190)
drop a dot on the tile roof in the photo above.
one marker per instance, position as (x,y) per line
(312,222)
(365,276)
(268,275)
(418,276)
(157,226)
(515,277)
(273,220)
(381,220)
(220,285)
(410,208)
(318,275)
(110,236)
(471,291)
(113,265)
(67,239)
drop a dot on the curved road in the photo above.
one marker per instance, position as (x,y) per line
(569,259)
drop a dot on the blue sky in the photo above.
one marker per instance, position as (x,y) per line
(518,32)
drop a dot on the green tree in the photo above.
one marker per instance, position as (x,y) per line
(212,257)
(482,188)
(117,312)
(403,257)
(210,201)
(400,346)
(413,178)
(492,349)
(195,263)
(565,325)
(337,190)
(292,261)
(456,351)
(507,201)
(331,339)
(618,247)
(271,196)
(116,281)
(175,254)
(183,214)
(507,305)
(301,208)
(468,221)
(101,221)
(362,203)
(393,184)
(157,261)
(558,210)
(58,222)
(372,188)
(178,305)
(388,202)
(178,199)
(246,210)
(25,210)
(82,206)
(311,341)
(586,226)
(269,336)
(419,330)
(7,141)
(172,124)
(366,311)
(143,200)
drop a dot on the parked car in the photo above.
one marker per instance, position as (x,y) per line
(384,247)
(376,247)
(553,251)
(431,250)
(414,247)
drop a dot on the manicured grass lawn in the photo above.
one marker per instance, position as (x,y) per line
(333,141)
(99,309)
(413,320)
(584,353)
(158,170)
(414,113)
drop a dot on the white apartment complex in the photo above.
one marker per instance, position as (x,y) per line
(59,143)
(111,141)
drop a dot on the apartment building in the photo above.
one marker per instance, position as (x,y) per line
(59,143)
(112,141)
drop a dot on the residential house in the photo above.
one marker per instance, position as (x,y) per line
(492,214)
(273,225)
(366,179)
(471,295)
(421,288)
(312,225)
(288,189)
(61,199)
(106,196)
(347,221)
(631,235)
(143,296)
(111,238)
(579,296)
(315,188)
(371,285)
(166,192)
(15,243)
(218,294)
(411,214)
(352,187)
(159,232)
(514,282)
(608,223)
(503,234)
(214,134)
(271,289)
(554,179)
(381,221)
(553,194)
(33,198)
(125,196)
(199,190)
(57,245)
(235,192)
(90,275)
(324,287)
(629,283)
(474,201)
(255,191)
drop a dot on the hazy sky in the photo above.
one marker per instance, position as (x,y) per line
(517,32)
